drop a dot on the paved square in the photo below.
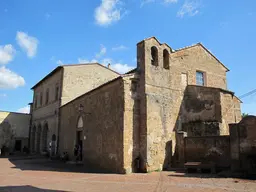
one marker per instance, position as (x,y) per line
(44,175)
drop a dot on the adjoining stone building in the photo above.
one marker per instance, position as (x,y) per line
(14,131)
(135,122)
(60,86)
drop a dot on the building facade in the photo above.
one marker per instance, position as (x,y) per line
(56,89)
(14,131)
(136,121)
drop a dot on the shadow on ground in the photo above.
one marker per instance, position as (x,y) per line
(44,164)
(220,174)
(26,188)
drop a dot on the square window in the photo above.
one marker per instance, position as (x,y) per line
(47,96)
(57,92)
(200,78)
(41,99)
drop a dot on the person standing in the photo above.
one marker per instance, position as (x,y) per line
(76,151)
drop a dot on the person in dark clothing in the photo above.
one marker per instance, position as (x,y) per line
(76,151)
(79,152)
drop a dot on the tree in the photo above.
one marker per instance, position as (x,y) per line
(244,115)
(6,134)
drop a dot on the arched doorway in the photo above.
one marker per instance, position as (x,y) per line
(38,139)
(33,139)
(79,137)
(53,145)
(44,137)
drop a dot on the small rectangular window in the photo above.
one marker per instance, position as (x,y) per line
(47,96)
(57,92)
(200,78)
(134,86)
(35,101)
(41,99)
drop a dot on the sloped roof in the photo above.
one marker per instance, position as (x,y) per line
(70,65)
(187,47)
(96,88)
(19,113)
(153,37)
(200,44)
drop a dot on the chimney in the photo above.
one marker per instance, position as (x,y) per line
(109,65)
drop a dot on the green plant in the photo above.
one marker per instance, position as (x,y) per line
(244,115)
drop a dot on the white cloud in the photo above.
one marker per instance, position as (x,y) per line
(146,2)
(59,62)
(9,79)
(52,58)
(119,67)
(119,48)
(103,51)
(24,109)
(47,16)
(106,61)
(82,60)
(152,1)
(3,95)
(27,43)
(116,66)
(7,53)
(190,7)
(170,1)
(108,12)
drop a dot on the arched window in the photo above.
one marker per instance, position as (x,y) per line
(38,139)
(154,56)
(80,123)
(33,139)
(166,59)
(44,137)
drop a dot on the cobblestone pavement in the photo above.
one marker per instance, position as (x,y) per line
(42,175)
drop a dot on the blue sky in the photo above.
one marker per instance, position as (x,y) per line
(36,36)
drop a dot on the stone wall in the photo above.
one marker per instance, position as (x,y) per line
(46,113)
(79,79)
(162,92)
(201,128)
(201,104)
(207,111)
(157,120)
(196,58)
(243,144)
(230,111)
(206,149)
(73,81)
(19,123)
(131,123)
(103,127)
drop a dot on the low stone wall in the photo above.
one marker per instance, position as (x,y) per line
(208,148)
(243,144)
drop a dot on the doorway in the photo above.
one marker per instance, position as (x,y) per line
(18,145)
(79,142)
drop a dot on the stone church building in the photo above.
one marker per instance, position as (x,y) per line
(133,122)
